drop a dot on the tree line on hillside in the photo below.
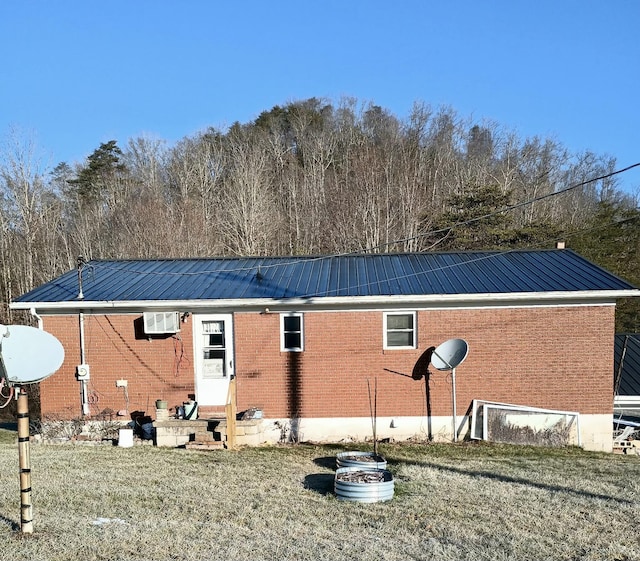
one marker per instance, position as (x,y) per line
(312,177)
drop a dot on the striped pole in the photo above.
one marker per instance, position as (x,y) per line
(26,508)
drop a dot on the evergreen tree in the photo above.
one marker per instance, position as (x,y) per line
(474,220)
(103,166)
(612,240)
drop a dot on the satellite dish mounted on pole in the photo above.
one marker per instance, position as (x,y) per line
(27,356)
(448,356)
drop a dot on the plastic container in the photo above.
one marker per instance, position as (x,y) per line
(190,409)
(125,438)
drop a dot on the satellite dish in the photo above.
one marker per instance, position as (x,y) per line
(450,354)
(447,356)
(28,355)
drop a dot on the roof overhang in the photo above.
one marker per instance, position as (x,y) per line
(510,299)
(623,400)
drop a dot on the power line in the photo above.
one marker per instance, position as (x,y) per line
(508,208)
(384,245)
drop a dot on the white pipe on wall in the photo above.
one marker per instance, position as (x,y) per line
(84,398)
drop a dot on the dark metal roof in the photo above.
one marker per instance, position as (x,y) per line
(627,348)
(488,272)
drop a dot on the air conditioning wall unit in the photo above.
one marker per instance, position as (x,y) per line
(156,323)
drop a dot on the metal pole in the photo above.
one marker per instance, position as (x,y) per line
(26,508)
(453,394)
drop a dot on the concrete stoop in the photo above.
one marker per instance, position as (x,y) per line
(205,434)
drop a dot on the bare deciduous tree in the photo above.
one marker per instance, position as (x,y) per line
(307,177)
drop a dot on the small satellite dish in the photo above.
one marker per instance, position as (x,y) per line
(450,354)
(447,356)
(28,355)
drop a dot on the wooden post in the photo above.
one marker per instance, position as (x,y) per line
(231,414)
(26,508)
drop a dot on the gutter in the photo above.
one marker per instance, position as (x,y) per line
(603,297)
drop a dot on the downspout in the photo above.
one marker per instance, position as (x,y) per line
(32,311)
(83,384)
(84,397)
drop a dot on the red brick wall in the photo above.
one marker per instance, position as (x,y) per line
(160,367)
(559,358)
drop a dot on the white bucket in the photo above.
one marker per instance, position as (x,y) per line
(190,409)
(125,438)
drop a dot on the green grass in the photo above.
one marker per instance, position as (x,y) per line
(8,436)
(465,501)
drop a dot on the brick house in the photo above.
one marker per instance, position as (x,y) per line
(307,339)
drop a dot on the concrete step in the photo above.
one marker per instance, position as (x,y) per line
(204,437)
(211,445)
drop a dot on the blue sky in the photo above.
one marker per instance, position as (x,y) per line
(74,74)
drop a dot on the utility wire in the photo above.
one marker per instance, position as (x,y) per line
(445,231)
(508,208)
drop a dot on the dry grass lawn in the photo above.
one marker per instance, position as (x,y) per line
(452,502)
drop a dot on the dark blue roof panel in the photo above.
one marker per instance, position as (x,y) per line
(627,364)
(490,272)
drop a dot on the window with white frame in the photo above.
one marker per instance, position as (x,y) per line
(291,332)
(400,330)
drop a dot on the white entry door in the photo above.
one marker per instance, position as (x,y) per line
(213,346)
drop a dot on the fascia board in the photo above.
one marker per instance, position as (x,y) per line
(333,302)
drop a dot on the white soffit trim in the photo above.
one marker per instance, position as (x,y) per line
(626,399)
(586,297)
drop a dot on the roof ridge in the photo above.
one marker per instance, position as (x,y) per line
(330,255)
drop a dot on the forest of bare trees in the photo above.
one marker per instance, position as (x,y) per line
(310,177)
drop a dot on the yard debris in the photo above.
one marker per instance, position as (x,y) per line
(630,446)
(103,521)
(626,439)
(362,476)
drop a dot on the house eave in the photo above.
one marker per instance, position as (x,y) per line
(627,398)
(593,297)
